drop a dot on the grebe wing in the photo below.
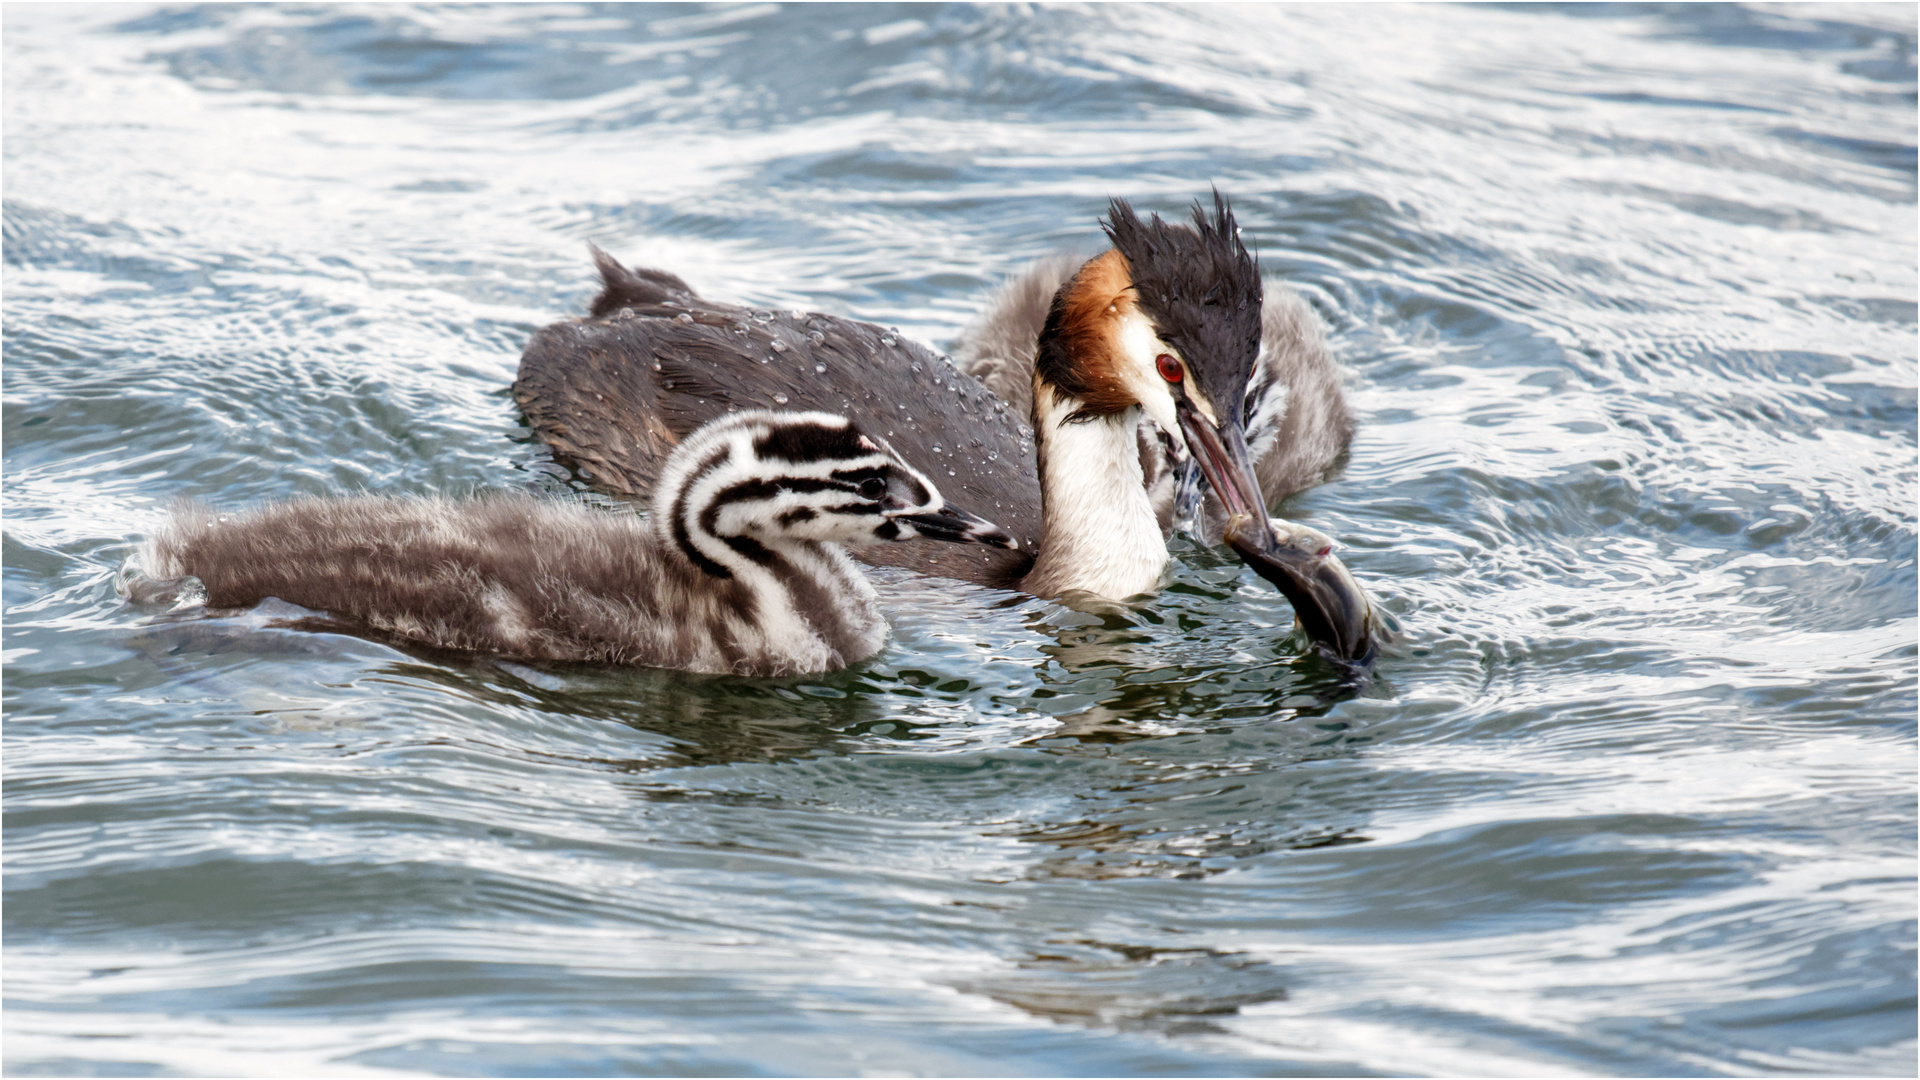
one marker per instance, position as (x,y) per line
(613,394)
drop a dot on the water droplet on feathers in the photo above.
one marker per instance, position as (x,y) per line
(779,346)
(819,369)
(779,399)
(683,317)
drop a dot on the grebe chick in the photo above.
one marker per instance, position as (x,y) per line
(739,570)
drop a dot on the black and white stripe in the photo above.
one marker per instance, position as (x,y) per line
(765,492)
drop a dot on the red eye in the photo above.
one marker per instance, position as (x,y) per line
(1169,368)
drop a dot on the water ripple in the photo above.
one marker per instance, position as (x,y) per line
(1627,301)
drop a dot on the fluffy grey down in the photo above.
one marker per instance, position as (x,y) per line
(739,570)
(509,575)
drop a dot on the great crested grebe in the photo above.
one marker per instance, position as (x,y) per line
(1164,328)
(739,569)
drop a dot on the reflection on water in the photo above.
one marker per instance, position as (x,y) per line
(1133,987)
(1627,298)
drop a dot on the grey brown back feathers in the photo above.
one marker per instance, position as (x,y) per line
(614,393)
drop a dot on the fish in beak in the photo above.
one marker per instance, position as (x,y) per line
(1299,561)
(1329,604)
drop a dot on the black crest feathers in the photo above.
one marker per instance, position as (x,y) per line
(803,443)
(1201,288)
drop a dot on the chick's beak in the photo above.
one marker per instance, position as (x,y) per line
(953,524)
(1298,560)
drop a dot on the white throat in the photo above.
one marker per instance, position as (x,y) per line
(816,604)
(1099,532)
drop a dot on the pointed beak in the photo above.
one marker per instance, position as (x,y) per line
(1221,454)
(957,526)
(1298,560)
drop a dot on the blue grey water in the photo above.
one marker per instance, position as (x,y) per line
(1627,300)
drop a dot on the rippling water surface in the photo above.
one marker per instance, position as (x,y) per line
(1627,301)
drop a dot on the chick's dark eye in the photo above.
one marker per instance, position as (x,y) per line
(873,488)
(1170,369)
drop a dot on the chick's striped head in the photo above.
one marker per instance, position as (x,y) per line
(765,478)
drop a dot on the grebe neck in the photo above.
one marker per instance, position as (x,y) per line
(1099,532)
